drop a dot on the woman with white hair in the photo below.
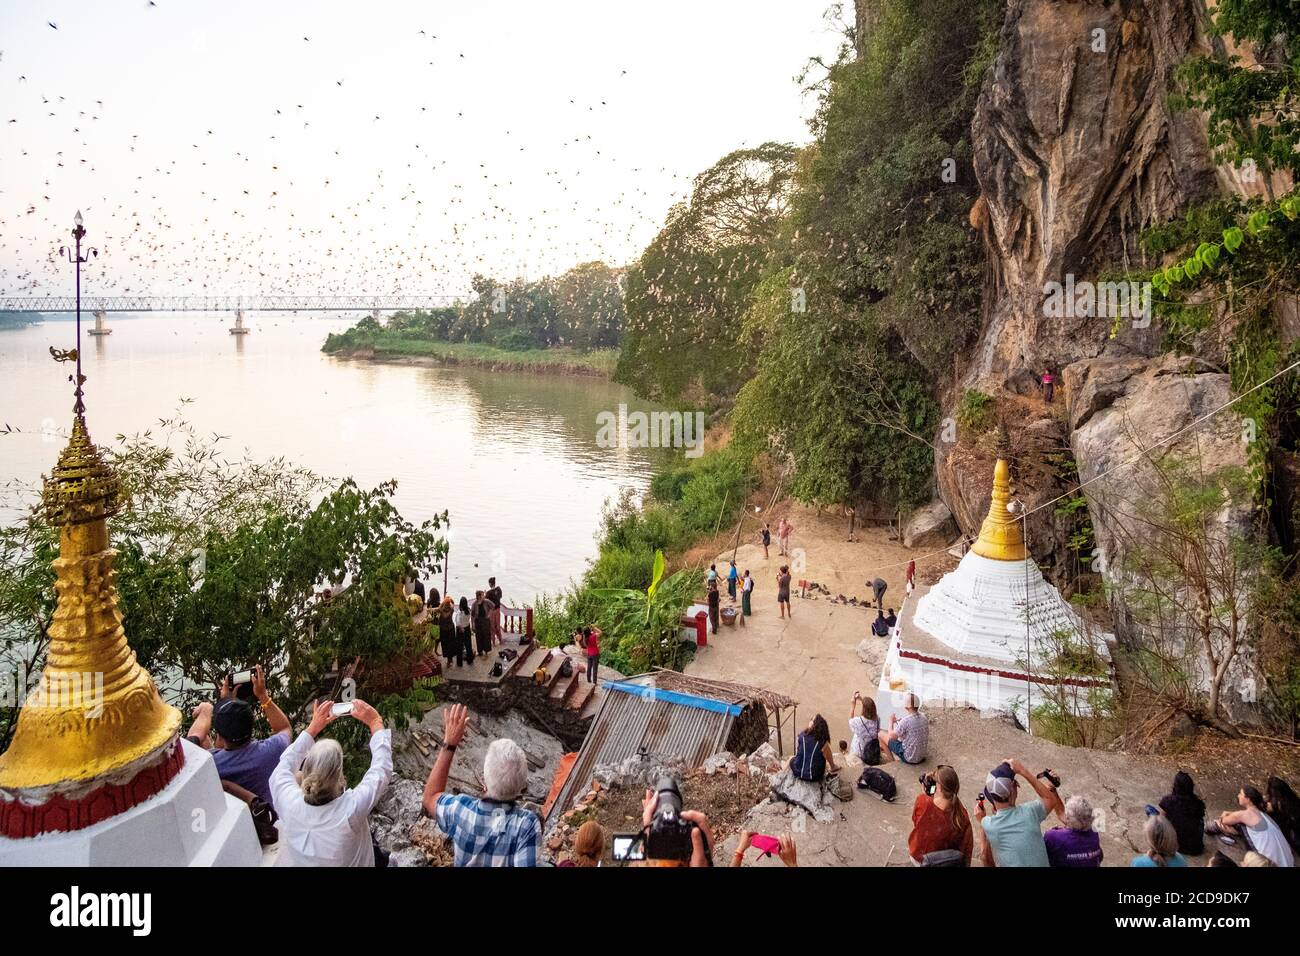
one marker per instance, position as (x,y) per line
(1076,844)
(322,822)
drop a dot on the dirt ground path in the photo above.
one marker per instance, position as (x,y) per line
(812,657)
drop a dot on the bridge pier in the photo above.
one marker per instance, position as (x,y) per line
(100,328)
(239,328)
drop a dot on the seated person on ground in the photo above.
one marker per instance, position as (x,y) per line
(907,739)
(1011,834)
(1255,826)
(813,756)
(492,830)
(865,724)
(939,821)
(1162,844)
(1283,808)
(1186,812)
(239,758)
(1076,844)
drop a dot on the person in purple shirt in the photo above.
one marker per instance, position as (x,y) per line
(241,760)
(1076,844)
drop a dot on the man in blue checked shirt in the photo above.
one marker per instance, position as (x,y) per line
(492,830)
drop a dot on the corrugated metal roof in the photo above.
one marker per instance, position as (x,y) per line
(670,724)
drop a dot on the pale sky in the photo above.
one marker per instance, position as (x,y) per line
(212,149)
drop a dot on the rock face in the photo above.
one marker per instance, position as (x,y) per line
(930,527)
(1077,150)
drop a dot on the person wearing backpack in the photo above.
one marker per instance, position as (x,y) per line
(940,823)
(812,751)
(865,725)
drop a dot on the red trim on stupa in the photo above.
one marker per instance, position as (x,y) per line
(1018,676)
(19,820)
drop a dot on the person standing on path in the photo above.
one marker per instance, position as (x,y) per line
(853,514)
(714,599)
(463,622)
(590,641)
(783,532)
(911,575)
(783,591)
(733,576)
(878,587)
(494,612)
(482,624)
(1048,385)
(766,537)
(448,639)
(746,589)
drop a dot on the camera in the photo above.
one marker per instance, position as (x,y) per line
(241,682)
(669,836)
(929,784)
(1052,778)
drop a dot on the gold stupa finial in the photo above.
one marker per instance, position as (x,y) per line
(95,711)
(1000,537)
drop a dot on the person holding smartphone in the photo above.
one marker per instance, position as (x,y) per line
(323,822)
(240,759)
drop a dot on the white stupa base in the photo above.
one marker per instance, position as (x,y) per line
(978,611)
(193,822)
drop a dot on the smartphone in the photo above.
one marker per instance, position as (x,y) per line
(341,709)
(629,847)
(241,677)
(768,844)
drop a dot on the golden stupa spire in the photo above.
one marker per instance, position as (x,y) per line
(1000,537)
(95,710)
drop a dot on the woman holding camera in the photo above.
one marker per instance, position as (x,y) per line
(940,823)
(322,822)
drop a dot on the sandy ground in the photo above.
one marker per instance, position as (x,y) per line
(812,658)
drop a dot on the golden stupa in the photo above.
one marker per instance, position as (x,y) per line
(1000,537)
(96,711)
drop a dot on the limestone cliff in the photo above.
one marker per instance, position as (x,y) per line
(1076,151)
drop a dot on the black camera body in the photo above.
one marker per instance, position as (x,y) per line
(669,836)
(1052,778)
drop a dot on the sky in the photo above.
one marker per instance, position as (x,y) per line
(374,148)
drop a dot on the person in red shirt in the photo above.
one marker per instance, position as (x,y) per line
(590,641)
(939,821)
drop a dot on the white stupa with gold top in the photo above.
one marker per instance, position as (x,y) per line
(96,773)
(980,636)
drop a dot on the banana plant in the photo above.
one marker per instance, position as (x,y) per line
(639,622)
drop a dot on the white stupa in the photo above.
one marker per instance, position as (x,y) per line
(984,635)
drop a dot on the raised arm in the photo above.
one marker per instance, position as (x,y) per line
(454,719)
(202,726)
(1046,792)
(375,781)
(275,717)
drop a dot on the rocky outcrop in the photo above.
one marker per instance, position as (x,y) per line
(1077,150)
(930,527)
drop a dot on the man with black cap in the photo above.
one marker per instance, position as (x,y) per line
(239,758)
(1012,835)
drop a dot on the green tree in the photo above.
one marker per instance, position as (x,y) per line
(687,292)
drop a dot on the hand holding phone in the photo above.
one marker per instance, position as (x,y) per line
(341,709)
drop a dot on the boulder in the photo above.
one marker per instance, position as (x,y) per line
(803,795)
(930,527)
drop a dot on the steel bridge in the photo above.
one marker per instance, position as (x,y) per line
(228,303)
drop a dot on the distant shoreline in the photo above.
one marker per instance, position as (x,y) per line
(436,355)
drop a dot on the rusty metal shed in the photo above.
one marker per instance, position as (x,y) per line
(656,715)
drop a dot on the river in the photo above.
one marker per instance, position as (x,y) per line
(513,456)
